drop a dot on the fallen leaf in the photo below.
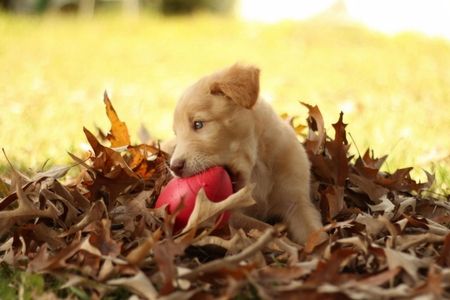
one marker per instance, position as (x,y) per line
(330,270)
(165,252)
(95,213)
(369,187)
(368,166)
(138,254)
(316,135)
(411,264)
(100,237)
(332,201)
(444,256)
(385,236)
(118,135)
(139,283)
(205,209)
(26,209)
(380,278)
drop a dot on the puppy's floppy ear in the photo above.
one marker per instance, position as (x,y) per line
(240,83)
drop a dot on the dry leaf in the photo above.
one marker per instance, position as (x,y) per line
(118,135)
(205,209)
(386,239)
(139,283)
(407,262)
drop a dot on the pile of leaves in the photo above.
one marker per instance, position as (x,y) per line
(98,230)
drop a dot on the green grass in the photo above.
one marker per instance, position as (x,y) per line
(17,284)
(53,71)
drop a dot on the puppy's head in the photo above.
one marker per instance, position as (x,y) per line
(213,123)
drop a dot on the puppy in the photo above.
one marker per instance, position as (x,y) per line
(219,121)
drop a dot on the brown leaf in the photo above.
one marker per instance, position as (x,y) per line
(100,237)
(383,205)
(137,255)
(434,285)
(205,209)
(332,201)
(228,244)
(165,253)
(315,239)
(42,233)
(105,158)
(355,290)
(138,283)
(27,209)
(410,241)
(43,262)
(109,188)
(338,152)
(401,181)
(320,167)
(111,175)
(78,200)
(69,214)
(55,173)
(357,242)
(433,209)
(89,224)
(316,136)
(411,264)
(340,136)
(329,159)
(444,256)
(369,166)
(282,275)
(339,161)
(330,270)
(369,187)
(148,162)
(95,213)
(373,225)
(228,263)
(135,207)
(381,277)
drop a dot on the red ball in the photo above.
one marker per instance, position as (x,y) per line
(217,185)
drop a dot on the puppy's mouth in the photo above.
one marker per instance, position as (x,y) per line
(235,178)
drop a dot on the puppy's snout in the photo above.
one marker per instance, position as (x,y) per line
(177,166)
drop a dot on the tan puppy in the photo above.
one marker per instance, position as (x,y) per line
(219,121)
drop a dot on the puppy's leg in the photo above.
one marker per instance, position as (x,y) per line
(303,219)
(299,214)
(238,220)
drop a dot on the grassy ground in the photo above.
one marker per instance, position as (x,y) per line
(53,71)
(16,284)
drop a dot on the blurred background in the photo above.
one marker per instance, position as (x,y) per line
(386,64)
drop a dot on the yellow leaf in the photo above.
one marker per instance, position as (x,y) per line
(118,135)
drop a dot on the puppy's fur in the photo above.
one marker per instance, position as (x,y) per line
(244,134)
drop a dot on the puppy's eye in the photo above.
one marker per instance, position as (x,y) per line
(197,125)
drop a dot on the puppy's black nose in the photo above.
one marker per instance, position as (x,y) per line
(177,166)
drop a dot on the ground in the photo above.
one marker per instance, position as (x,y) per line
(395,91)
